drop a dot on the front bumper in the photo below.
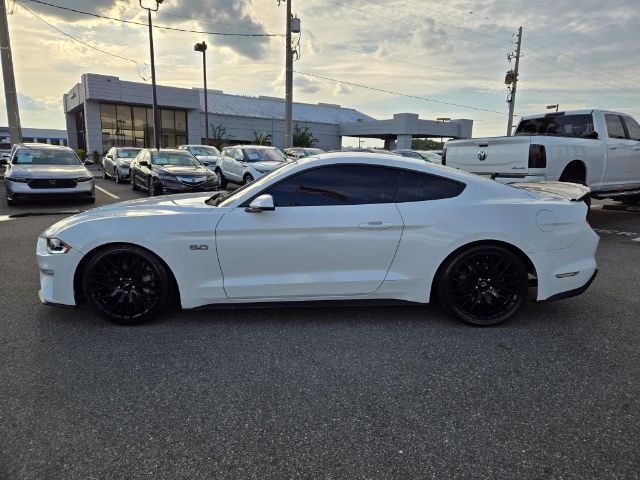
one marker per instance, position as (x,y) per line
(177,187)
(56,275)
(123,171)
(22,191)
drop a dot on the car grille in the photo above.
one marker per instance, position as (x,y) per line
(53,183)
(192,180)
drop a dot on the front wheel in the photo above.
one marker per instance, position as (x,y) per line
(222,182)
(483,285)
(117,175)
(248,178)
(126,284)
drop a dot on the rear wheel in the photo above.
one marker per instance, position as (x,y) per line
(484,285)
(126,284)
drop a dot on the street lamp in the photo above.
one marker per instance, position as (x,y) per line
(556,106)
(156,123)
(202,47)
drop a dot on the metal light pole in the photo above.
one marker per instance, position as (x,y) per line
(288,95)
(202,47)
(156,117)
(10,92)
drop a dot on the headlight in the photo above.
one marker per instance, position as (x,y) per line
(84,179)
(17,179)
(262,171)
(57,246)
(169,178)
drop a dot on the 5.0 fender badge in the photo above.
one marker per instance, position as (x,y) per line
(198,247)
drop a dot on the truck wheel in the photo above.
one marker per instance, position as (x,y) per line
(574,173)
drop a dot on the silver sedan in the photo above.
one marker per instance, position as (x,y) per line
(41,171)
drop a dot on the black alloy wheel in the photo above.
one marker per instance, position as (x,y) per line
(222,182)
(126,284)
(248,178)
(484,285)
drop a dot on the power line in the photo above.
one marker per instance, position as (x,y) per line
(83,42)
(162,27)
(397,93)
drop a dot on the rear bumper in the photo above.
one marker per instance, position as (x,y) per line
(567,272)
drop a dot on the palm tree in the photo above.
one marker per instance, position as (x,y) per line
(262,138)
(219,137)
(303,137)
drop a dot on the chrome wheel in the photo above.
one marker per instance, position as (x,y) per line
(126,284)
(484,285)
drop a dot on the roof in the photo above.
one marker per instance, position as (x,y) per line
(268,107)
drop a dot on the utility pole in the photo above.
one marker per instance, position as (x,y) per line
(512,79)
(288,95)
(10,92)
(202,47)
(156,116)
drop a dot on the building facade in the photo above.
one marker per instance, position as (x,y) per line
(37,135)
(102,111)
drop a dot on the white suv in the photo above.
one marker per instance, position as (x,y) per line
(243,164)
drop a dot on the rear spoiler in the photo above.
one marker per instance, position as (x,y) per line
(571,191)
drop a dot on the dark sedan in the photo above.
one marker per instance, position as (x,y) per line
(170,171)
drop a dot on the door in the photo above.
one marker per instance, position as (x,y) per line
(334,233)
(620,154)
(633,136)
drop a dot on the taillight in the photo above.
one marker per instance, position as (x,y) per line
(444,156)
(537,156)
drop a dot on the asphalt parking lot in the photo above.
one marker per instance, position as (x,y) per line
(375,393)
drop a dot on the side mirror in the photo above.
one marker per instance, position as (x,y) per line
(144,163)
(108,155)
(3,161)
(262,203)
(88,162)
(593,135)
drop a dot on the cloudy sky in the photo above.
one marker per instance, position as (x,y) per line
(577,54)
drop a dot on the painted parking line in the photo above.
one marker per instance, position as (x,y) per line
(619,233)
(4,218)
(107,192)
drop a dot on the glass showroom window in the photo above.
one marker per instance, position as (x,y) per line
(130,126)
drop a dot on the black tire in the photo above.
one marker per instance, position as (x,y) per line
(92,200)
(10,202)
(248,178)
(222,182)
(483,285)
(117,175)
(134,187)
(126,284)
(105,175)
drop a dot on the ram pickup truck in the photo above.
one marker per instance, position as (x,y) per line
(596,148)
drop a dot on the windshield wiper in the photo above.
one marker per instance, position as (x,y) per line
(217,197)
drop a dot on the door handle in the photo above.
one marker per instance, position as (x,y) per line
(376,225)
(611,147)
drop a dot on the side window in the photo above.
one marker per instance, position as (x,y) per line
(614,126)
(337,185)
(420,187)
(632,128)
(238,154)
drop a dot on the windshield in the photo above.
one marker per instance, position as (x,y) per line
(313,151)
(561,125)
(431,157)
(175,159)
(207,151)
(264,155)
(128,152)
(45,157)
(225,199)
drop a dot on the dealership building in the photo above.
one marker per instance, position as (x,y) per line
(103,111)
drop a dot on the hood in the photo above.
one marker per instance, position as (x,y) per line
(143,207)
(267,165)
(182,169)
(50,171)
(207,158)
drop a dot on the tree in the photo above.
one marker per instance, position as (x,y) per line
(219,137)
(303,137)
(425,144)
(261,138)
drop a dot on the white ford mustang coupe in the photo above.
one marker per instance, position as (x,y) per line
(335,227)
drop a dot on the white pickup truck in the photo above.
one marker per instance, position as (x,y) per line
(597,148)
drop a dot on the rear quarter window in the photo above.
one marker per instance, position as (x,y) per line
(421,187)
